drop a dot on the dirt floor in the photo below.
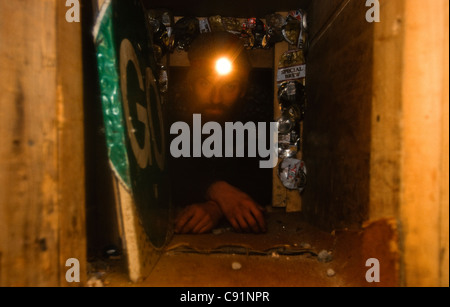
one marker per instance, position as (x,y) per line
(291,254)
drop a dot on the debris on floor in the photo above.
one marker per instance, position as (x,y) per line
(236,266)
(94,282)
(219,231)
(101,267)
(274,251)
(331,273)
(324,256)
(112,252)
(305,245)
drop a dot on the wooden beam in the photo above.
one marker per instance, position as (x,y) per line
(282,197)
(41,154)
(279,192)
(444,179)
(386,113)
(424,194)
(71,161)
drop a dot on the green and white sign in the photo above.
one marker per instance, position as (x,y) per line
(133,113)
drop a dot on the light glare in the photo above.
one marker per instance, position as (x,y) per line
(223,66)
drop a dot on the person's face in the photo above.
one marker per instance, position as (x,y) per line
(215,96)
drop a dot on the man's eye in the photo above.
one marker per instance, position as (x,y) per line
(231,86)
(203,82)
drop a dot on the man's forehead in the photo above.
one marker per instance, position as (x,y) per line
(208,70)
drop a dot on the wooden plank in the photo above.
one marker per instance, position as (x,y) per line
(29,209)
(425,105)
(262,58)
(282,197)
(71,161)
(337,123)
(141,255)
(279,192)
(321,16)
(444,180)
(385,183)
(41,168)
(294,198)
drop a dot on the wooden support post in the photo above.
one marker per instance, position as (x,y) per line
(424,193)
(279,192)
(71,161)
(281,197)
(42,149)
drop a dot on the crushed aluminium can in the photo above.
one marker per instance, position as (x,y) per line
(296,30)
(275,23)
(161,24)
(292,173)
(216,23)
(231,25)
(291,93)
(163,80)
(301,16)
(292,99)
(291,66)
(292,30)
(185,31)
(289,143)
(254,33)
(259,32)
(204,25)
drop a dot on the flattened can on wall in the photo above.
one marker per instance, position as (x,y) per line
(292,173)
(291,66)
(275,23)
(185,31)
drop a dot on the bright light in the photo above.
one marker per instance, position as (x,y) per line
(223,66)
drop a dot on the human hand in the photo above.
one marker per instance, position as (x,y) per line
(198,218)
(244,214)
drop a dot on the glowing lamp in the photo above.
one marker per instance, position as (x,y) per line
(223,66)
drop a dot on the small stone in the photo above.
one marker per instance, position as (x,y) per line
(305,245)
(236,266)
(112,252)
(324,256)
(275,255)
(331,273)
(94,282)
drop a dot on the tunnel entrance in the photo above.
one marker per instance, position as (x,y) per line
(323,223)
